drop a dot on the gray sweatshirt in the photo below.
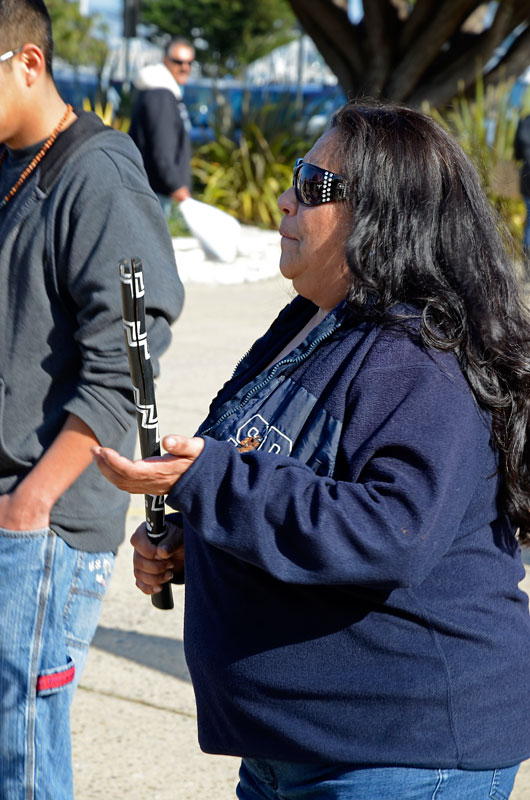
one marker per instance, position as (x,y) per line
(63,349)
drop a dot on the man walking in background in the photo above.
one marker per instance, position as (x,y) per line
(160,124)
(74,200)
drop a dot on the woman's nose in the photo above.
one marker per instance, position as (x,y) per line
(287,202)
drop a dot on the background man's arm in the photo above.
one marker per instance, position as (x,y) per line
(180,194)
(164,128)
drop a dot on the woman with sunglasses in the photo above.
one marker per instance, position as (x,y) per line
(353,624)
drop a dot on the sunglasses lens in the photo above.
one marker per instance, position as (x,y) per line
(309,184)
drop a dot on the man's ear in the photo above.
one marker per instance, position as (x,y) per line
(33,63)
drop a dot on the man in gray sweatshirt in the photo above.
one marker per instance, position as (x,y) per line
(74,200)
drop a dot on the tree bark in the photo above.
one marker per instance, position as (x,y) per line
(424,49)
(514,61)
(422,12)
(426,56)
(337,39)
(461,73)
(380,18)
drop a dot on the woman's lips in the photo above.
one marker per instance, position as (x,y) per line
(286,235)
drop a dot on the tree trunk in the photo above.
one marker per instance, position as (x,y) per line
(427,53)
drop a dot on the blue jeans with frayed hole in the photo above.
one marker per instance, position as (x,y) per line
(50,600)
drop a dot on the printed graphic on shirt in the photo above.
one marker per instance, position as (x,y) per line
(266,436)
(285,421)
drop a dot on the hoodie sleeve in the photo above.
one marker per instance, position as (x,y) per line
(413,451)
(107,212)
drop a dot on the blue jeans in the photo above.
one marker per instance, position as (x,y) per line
(271,780)
(50,600)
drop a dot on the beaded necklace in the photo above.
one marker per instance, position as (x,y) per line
(33,163)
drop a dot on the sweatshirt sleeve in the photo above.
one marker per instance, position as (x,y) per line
(106,213)
(415,448)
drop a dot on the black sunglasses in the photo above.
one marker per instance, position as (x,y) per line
(180,62)
(314,185)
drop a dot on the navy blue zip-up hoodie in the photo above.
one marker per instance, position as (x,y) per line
(351,584)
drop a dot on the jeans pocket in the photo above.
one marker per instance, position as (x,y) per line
(502,783)
(92,575)
(53,680)
(7,533)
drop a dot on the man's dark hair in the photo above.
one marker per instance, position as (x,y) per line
(24,21)
(178,40)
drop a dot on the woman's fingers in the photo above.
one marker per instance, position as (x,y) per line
(149,567)
(148,586)
(141,542)
(146,476)
(154,565)
(164,550)
(183,446)
(150,575)
(154,475)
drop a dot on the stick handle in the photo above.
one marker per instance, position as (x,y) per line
(141,369)
(156,531)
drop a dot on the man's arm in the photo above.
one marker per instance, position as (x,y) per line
(180,194)
(165,131)
(28,507)
(120,220)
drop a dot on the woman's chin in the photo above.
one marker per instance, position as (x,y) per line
(287,268)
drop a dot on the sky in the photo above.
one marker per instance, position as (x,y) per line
(355,10)
(111,10)
(103,5)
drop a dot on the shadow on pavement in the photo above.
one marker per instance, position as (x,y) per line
(156,652)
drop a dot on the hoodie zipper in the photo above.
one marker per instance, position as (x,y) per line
(284,361)
(240,362)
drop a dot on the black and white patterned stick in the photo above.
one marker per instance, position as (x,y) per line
(141,368)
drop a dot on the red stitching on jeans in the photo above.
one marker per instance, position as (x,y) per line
(55,681)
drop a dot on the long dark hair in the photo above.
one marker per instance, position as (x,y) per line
(424,234)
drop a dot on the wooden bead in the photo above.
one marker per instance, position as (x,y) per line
(33,163)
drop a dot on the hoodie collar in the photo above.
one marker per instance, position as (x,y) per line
(157,76)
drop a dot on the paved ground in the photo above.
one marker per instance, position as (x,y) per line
(133,718)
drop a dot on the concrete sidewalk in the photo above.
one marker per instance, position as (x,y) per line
(133,718)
